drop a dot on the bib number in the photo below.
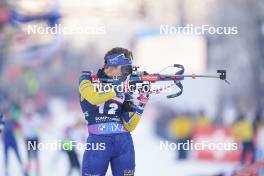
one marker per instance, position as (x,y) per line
(113,108)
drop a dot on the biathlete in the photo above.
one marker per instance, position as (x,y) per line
(111,116)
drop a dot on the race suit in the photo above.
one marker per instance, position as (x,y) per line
(109,127)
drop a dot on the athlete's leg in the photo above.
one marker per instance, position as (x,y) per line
(95,161)
(34,156)
(6,147)
(29,154)
(14,146)
(123,163)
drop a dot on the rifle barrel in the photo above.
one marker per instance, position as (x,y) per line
(201,76)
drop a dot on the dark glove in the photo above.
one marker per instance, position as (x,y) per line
(128,106)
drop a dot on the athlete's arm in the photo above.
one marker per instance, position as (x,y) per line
(132,114)
(131,119)
(87,91)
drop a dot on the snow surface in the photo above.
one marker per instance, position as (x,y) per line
(150,159)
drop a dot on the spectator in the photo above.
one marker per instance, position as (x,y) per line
(10,142)
(202,121)
(30,124)
(181,130)
(244,133)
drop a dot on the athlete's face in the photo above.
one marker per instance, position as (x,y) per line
(113,71)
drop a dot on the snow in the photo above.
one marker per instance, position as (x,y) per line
(150,159)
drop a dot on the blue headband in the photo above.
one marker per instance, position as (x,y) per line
(117,59)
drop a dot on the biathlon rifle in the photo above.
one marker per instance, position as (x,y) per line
(137,76)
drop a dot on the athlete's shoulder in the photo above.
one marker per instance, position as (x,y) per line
(85,75)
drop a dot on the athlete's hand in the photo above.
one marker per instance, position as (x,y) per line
(128,106)
(143,99)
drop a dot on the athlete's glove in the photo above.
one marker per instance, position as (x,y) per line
(143,99)
(138,102)
(129,106)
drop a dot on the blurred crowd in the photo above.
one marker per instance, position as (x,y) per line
(30,122)
(34,69)
(182,127)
